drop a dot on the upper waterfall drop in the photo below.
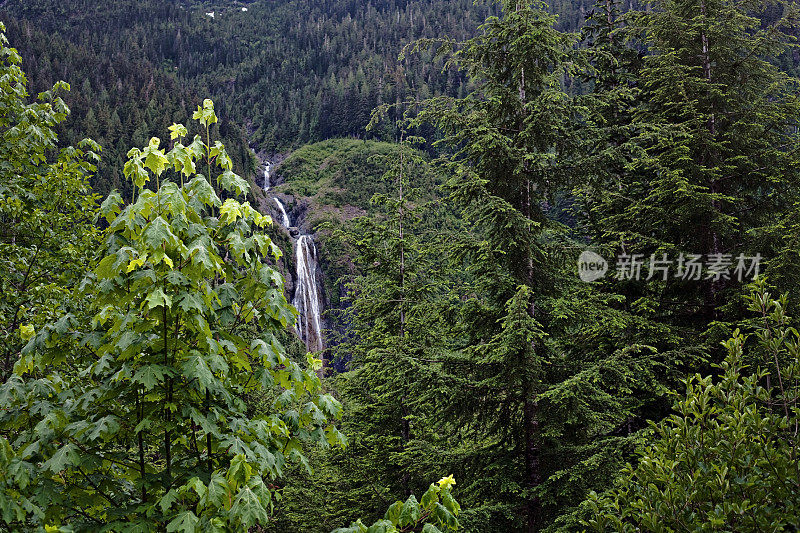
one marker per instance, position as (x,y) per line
(285,222)
(266,176)
(306,296)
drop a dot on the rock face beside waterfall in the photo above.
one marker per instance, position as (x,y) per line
(312,192)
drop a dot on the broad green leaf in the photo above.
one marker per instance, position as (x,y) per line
(450,503)
(155,159)
(195,367)
(233,182)
(104,269)
(65,456)
(382,526)
(393,512)
(157,298)
(151,376)
(410,512)
(185,522)
(230,211)
(248,509)
(167,500)
(177,130)
(430,497)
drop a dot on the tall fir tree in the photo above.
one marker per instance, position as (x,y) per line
(712,162)
(547,374)
(395,336)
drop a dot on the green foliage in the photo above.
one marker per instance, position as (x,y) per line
(341,173)
(544,374)
(268,69)
(726,459)
(700,156)
(138,416)
(156,395)
(394,336)
(119,98)
(436,512)
(391,265)
(333,183)
(46,209)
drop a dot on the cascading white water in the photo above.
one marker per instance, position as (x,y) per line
(306,296)
(285,222)
(266,176)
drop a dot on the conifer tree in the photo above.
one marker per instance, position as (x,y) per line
(714,159)
(608,125)
(546,375)
(393,340)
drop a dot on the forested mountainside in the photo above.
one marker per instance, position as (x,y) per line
(287,72)
(118,99)
(557,273)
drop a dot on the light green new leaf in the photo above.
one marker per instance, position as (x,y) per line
(155,159)
(177,130)
(230,211)
(205,114)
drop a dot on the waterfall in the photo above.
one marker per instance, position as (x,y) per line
(307,299)
(306,295)
(285,222)
(266,176)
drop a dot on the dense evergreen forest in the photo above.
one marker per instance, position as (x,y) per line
(399,266)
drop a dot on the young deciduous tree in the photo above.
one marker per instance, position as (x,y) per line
(436,512)
(727,459)
(46,208)
(139,417)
